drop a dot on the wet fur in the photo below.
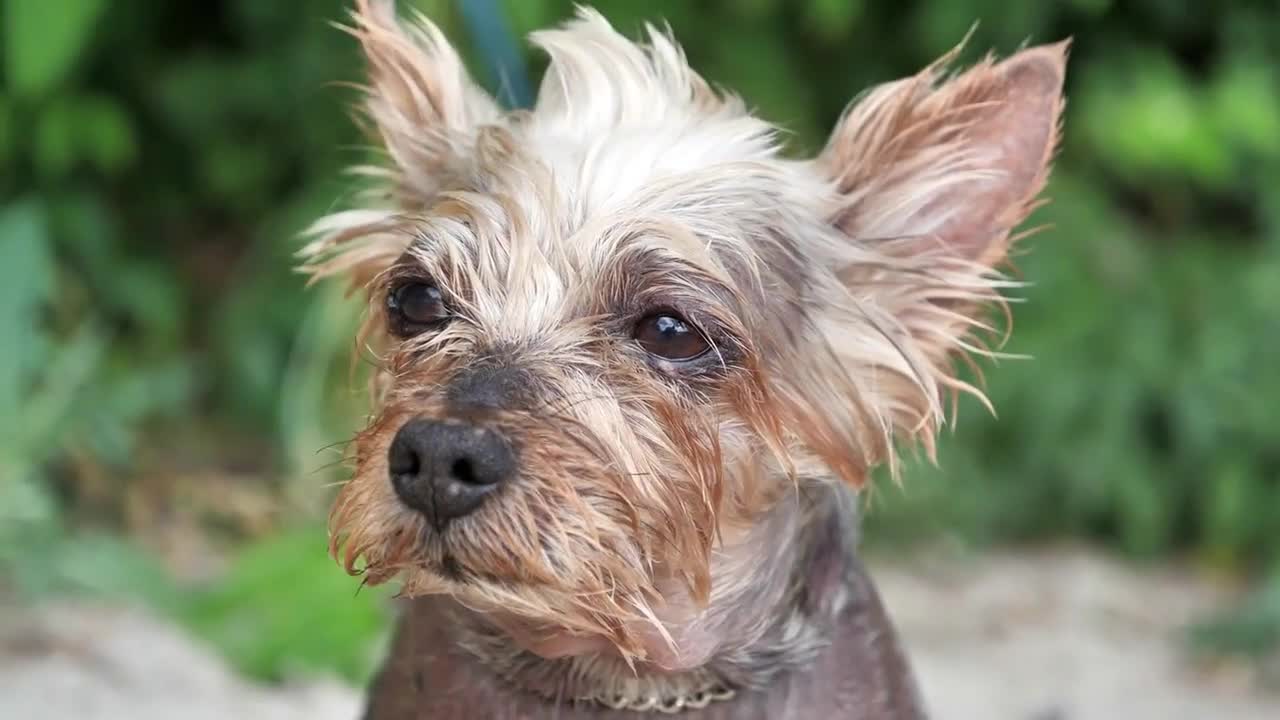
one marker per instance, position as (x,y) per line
(838,293)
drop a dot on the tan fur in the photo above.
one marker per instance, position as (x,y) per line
(838,292)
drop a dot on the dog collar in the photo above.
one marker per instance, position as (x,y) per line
(667,704)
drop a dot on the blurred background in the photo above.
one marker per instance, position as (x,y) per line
(173,401)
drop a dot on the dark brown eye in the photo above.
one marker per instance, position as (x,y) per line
(415,307)
(668,336)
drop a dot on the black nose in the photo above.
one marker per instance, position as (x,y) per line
(446,469)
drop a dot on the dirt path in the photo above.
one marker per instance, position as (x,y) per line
(1061,635)
(74,662)
(1052,636)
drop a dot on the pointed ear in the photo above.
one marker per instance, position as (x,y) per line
(420,98)
(954,164)
(424,110)
(934,174)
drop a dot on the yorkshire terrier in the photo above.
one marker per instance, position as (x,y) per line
(635,365)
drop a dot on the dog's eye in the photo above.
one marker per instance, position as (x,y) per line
(668,336)
(414,307)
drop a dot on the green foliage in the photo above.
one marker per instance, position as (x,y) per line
(42,384)
(150,197)
(283,609)
(43,39)
(157,160)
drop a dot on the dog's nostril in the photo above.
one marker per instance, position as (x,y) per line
(411,465)
(462,471)
(403,459)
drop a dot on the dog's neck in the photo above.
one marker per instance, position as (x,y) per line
(776,588)
(793,601)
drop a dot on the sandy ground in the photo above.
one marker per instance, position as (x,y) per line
(1047,636)
(1062,636)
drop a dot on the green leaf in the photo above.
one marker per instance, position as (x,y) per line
(92,128)
(56,142)
(86,229)
(24,503)
(30,528)
(1245,103)
(1153,119)
(152,296)
(7,145)
(107,137)
(26,282)
(43,39)
(45,410)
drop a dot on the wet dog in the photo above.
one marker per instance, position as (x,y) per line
(635,364)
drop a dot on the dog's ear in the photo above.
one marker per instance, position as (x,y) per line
(421,100)
(933,175)
(423,110)
(950,166)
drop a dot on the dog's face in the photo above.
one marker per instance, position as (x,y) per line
(614,329)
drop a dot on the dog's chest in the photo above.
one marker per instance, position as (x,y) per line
(862,675)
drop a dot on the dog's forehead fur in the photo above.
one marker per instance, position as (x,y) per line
(613,115)
(639,169)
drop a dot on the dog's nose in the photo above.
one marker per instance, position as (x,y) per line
(445,470)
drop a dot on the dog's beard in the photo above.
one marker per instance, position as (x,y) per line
(572,557)
(570,601)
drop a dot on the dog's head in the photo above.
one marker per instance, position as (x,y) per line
(614,329)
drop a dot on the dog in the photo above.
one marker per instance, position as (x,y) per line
(635,365)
